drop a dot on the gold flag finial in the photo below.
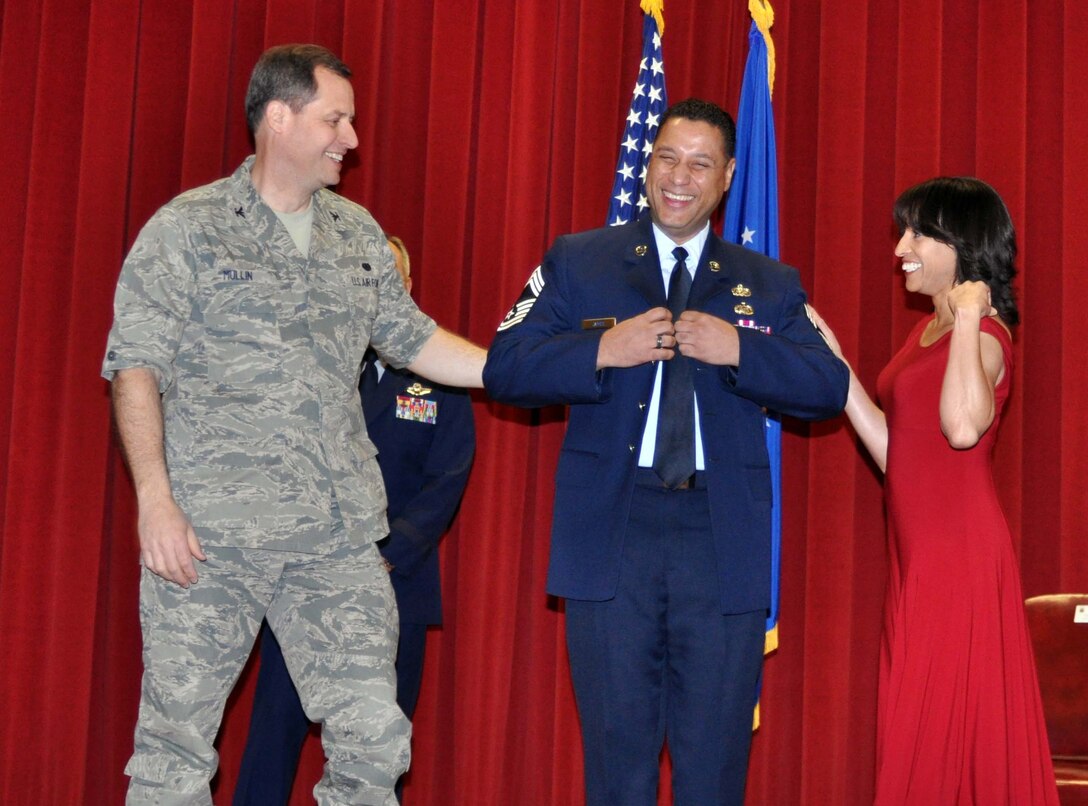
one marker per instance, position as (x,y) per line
(763,16)
(657,8)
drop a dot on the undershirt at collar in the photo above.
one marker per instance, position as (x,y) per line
(299,226)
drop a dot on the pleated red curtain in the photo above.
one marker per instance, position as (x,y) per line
(486,129)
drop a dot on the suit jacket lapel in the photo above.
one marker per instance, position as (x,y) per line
(641,263)
(377,402)
(709,283)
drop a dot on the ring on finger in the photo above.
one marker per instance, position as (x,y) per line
(659,345)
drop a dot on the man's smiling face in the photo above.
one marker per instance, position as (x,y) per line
(321,132)
(688,174)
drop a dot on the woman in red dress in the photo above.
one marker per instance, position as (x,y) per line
(960,720)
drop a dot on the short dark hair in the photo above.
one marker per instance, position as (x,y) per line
(286,73)
(707,112)
(968,215)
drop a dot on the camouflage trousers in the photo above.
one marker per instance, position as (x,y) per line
(335,618)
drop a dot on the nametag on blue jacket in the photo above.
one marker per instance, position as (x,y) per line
(414,408)
(600,323)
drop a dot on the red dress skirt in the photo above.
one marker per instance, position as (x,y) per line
(960,718)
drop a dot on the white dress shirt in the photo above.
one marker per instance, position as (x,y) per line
(665,245)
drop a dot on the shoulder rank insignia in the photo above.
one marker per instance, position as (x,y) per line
(417,389)
(741,291)
(524,302)
(743,308)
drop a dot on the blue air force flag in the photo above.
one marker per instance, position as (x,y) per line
(751,219)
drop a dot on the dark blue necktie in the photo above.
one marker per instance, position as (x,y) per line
(674,451)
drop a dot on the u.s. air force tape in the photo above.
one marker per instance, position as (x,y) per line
(525,302)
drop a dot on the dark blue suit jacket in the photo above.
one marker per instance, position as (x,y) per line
(425,467)
(548,355)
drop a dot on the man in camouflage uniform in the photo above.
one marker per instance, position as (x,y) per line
(241,318)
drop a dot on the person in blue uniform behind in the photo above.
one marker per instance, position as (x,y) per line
(426,438)
(668,344)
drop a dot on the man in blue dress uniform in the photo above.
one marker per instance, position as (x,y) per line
(668,345)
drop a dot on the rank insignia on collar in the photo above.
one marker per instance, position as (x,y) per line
(741,291)
(744,309)
(715,265)
(641,249)
(418,390)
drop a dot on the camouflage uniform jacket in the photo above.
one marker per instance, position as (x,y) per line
(258,352)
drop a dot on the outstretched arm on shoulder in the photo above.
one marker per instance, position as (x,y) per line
(864,414)
(450,359)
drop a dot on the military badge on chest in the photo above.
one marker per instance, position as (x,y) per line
(415,405)
(744,309)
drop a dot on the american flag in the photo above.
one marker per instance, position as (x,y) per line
(647,105)
(629,191)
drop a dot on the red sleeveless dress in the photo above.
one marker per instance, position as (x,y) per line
(960,720)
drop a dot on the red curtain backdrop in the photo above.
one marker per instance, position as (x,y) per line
(486,129)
